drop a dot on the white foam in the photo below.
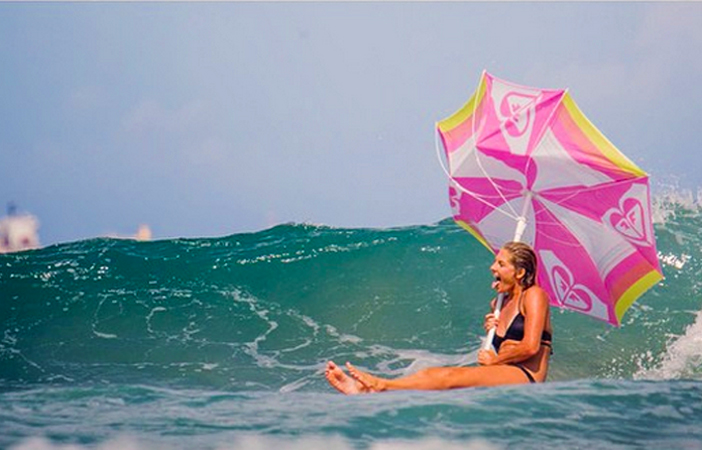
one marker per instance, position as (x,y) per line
(255,442)
(41,443)
(670,259)
(672,197)
(683,356)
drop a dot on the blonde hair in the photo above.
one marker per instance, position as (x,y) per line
(523,257)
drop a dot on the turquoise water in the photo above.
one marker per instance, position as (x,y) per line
(221,344)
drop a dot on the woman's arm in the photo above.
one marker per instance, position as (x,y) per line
(535,309)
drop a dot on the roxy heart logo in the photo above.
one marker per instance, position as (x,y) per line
(517,110)
(569,293)
(630,219)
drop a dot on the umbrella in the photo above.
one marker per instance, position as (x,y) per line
(526,164)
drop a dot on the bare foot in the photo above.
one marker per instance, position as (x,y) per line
(342,382)
(368,381)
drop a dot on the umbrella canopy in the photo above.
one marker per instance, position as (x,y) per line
(528,159)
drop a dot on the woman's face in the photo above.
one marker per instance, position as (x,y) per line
(505,273)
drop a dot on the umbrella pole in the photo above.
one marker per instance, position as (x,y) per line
(521,226)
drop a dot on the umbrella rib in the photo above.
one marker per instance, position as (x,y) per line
(563,200)
(514,214)
(475,195)
(591,188)
(547,124)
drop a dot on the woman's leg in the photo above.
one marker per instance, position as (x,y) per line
(441,378)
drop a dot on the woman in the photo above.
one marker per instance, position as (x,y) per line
(522,340)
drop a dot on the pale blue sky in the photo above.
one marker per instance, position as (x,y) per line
(218,118)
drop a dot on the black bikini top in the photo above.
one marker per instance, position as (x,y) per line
(515,332)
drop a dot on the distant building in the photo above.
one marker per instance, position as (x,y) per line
(18,231)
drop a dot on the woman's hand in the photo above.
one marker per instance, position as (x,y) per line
(487,357)
(490,321)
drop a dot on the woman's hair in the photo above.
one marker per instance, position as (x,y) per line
(523,257)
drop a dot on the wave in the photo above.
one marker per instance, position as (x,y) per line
(265,310)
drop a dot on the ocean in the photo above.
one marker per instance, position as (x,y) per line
(221,343)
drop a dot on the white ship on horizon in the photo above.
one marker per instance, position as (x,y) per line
(18,231)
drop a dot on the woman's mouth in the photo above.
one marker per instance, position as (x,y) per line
(496,282)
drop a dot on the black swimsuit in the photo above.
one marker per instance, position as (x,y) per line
(515,332)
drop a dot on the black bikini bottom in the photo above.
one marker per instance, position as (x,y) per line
(526,372)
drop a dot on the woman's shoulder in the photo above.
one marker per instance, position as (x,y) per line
(535,301)
(536,294)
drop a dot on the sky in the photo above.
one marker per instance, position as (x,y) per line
(210,119)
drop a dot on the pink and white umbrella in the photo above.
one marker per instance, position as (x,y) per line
(527,159)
